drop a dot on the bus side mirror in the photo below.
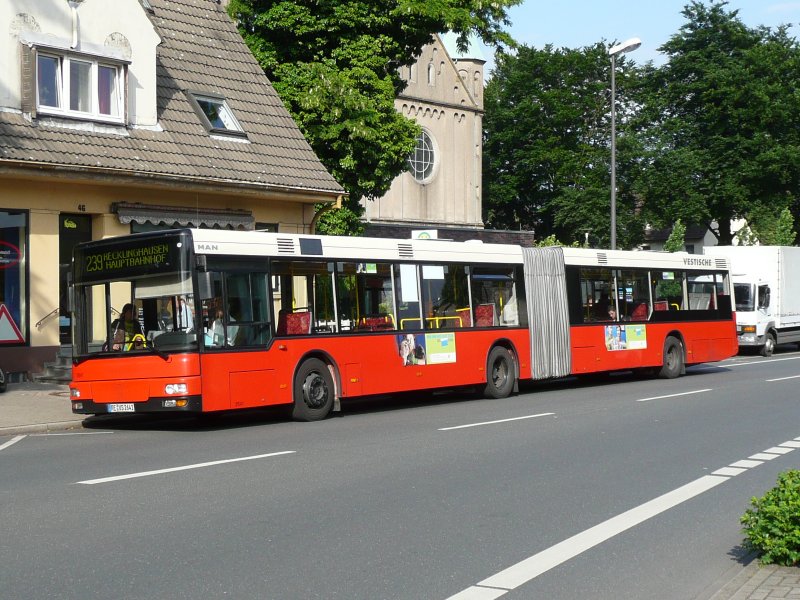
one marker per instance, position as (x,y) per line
(204,285)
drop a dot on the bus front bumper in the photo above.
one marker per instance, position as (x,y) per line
(190,404)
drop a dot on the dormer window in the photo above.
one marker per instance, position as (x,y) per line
(215,114)
(79,86)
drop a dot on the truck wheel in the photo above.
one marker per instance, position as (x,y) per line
(500,373)
(313,391)
(769,345)
(3,382)
(673,359)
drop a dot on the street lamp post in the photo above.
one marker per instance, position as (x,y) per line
(626,46)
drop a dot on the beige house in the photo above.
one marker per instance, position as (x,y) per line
(148,114)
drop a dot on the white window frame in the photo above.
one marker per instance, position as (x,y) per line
(417,165)
(63,83)
(231,127)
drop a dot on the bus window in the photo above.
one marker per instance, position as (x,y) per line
(575,302)
(247,305)
(597,294)
(444,296)
(407,289)
(494,296)
(633,295)
(305,289)
(668,290)
(707,291)
(322,304)
(364,296)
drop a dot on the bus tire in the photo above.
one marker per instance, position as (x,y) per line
(769,345)
(313,391)
(673,359)
(500,373)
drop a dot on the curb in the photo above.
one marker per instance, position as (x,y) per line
(41,427)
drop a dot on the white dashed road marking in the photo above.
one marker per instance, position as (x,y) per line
(183,468)
(675,395)
(11,442)
(784,378)
(495,422)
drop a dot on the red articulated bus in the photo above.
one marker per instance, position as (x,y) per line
(209,320)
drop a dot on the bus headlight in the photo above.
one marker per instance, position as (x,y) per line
(74,393)
(175,388)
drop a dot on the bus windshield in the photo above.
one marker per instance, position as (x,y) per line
(745,299)
(134,298)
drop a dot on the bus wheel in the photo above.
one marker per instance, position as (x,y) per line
(673,359)
(313,391)
(769,345)
(500,373)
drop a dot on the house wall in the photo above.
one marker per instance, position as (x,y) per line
(123,33)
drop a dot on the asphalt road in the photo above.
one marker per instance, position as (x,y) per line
(569,490)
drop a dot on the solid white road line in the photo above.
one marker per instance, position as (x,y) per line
(675,395)
(183,468)
(11,442)
(784,378)
(495,422)
(530,568)
(762,362)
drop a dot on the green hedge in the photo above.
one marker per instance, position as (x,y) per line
(772,525)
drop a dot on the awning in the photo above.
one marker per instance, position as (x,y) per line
(172,216)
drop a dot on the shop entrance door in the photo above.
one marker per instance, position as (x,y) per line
(72,229)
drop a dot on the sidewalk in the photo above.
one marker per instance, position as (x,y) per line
(44,407)
(756,582)
(36,408)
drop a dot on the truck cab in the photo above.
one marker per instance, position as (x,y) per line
(754,321)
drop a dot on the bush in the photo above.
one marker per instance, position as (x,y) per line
(772,525)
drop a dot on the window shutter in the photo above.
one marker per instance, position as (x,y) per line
(28,72)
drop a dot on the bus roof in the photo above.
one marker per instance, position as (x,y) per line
(290,245)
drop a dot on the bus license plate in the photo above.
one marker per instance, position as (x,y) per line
(121,408)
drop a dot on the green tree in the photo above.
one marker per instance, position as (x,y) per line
(768,229)
(719,128)
(335,64)
(676,242)
(546,156)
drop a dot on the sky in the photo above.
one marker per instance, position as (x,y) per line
(579,23)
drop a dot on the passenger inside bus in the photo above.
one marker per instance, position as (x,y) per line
(126,327)
(221,334)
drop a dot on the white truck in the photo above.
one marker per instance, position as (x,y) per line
(766,286)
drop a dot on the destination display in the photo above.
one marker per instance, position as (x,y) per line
(129,258)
